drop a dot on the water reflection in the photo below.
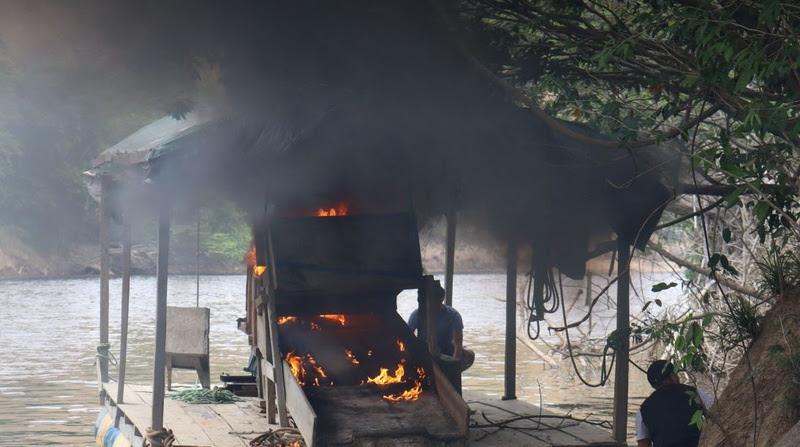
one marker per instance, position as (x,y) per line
(49,334)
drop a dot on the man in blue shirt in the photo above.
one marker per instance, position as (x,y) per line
(449,332)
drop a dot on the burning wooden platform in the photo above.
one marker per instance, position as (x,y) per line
(234,425)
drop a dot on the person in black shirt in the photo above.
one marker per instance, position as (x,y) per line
(664,419)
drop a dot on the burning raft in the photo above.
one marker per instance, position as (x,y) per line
(355,371)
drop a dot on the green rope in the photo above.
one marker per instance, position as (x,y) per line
(205,396)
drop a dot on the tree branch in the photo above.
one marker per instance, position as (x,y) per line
(705,271)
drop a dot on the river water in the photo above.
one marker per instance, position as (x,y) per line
(49,332)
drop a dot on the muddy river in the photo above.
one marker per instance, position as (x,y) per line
(49,331)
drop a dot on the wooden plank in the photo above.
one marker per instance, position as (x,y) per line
(217,430)
(451,401)
(244,421)
(131,395)
(299,407)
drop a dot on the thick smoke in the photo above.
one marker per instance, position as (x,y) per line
(319,101)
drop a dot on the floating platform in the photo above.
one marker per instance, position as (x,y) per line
(195,425)
(515,422)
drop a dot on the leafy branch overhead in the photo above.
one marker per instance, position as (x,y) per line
(726,70)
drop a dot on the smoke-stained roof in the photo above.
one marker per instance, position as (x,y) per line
(370,102)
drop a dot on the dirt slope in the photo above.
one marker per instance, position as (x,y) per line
(777,397)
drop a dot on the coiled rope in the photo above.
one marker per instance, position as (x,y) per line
(159,438)
(280,437)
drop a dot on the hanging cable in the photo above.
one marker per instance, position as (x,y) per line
(605,373)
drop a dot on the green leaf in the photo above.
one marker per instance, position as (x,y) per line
(726,235)
(761,210)
(733,198)
(727,266)
(698,419)
(714,260)
(662,286)
(680,343)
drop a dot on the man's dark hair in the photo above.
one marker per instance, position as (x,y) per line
(658,372)
(438,293)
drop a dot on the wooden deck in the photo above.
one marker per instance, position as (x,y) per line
(234,425)
(515,422)
(195,425)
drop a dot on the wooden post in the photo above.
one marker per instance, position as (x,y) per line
(539,278)
(105,242)
(272,321)
(432,306)
(511,322)
(588,297)
(623,340)
(162,270)
(451,257)
(124,305)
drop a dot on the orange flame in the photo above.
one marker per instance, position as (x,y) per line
(284,320)
(299,364)
(340,210)
(250,256)
(351,357)
(409,395)
(259,270)
(296,364)
(401,346)
(319,369)
(384,378)
(335,317)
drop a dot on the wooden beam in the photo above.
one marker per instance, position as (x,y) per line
(451,257)
(623,340)
(162,271)
(124,305)
(431,315)
(105,242)
(511,322)
(272,322)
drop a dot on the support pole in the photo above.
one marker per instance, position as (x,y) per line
(124,305)
(105,241)
(511,322)
(451,257)
(623,340)
(272,321)
(162,270)
(539,278)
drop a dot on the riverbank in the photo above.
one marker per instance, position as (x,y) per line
(21,260)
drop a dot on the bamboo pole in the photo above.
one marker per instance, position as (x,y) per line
(623,340)
(105,217)
(451,257)
(124,305)
(162,270)
(511,323)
